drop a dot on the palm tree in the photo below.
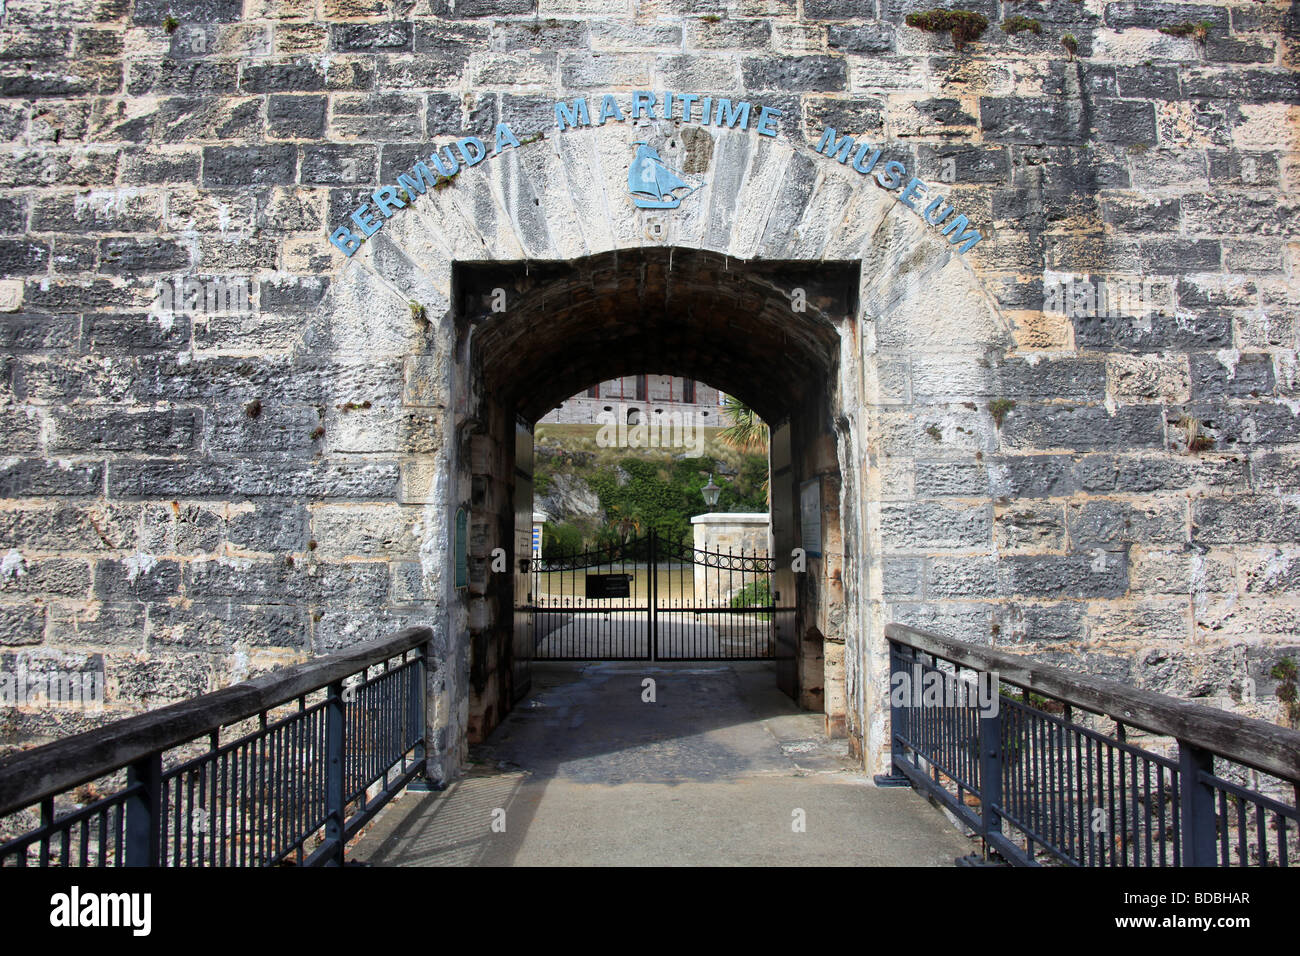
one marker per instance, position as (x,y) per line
(747,433)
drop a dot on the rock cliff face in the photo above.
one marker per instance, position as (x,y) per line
(1058,410)
(568,498)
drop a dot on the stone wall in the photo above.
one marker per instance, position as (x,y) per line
(266,465)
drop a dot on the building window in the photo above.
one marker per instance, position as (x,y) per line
(640,388)
(688,391)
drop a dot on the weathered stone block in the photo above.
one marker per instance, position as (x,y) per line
(21,624)
(799,73)
(1110,524)
(1245,519)
(1030,525)
(1143,473)
(61,577)
(961,579)
(296,117)
(924,526)
(1232,375)
(29,478)
(24,332)
(1088,428)
(98,429)
(1102,574)
(140,577)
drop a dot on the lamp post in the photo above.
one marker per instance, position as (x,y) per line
(711,492)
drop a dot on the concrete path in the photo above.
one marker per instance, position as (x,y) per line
(719,770)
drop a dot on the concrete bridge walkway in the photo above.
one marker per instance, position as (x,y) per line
(719,769)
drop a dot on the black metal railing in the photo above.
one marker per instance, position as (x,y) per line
(1051,766)
(281,769)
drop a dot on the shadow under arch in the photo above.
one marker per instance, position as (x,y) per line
(765,332)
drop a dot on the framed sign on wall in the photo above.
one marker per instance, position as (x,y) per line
(810,517)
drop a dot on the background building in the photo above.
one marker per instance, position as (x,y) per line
(641,394)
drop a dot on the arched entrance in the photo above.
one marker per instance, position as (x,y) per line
(896,335)
(769,333)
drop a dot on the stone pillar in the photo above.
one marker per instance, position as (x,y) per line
(738,532)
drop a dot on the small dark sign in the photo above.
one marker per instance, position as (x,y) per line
(609,585)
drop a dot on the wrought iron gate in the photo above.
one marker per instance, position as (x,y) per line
(651,599)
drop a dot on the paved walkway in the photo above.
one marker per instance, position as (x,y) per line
(717,770)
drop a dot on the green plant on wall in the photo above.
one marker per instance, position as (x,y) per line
(1020,24)
(964,25)
(1285,673)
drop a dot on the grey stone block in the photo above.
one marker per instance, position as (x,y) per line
(1082,380)
(1016,622)
(1154,333)
(1245,519)
(1032,476)
(20,625)
(153,12)
(902,576)
(795,73)
(923,526)
(60,577)
(961,579)
(138,578)
(220,626)
(135,255)
(99,429)
(1089,428)
(1100,575)
(1021,119)
(871,37)
(1143,473)
(31,477)
(108,334)
(296,116)
(1152,14)
(328,164)
(34,332)
(1109,524)
(249,165)
(1031,525)
(383,37)
(1249,376)
(950,478)
(301,76)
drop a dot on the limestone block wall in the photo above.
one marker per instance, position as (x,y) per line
(1077,437)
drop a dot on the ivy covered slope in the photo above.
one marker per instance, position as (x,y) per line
(595,495)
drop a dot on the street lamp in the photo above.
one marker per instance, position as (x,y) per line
(711,492)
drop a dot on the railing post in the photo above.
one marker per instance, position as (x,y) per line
(335,717)
(990,743)
(1198,827)
(897,720)
(144,813)
(415,705)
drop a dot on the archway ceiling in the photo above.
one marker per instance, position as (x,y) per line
(731,324)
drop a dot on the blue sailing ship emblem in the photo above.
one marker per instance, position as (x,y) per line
(652,184)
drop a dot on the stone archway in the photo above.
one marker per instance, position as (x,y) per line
(564,199)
